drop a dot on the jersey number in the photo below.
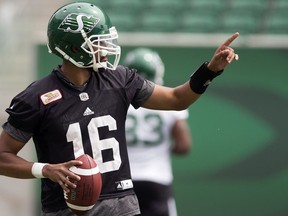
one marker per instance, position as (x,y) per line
(153,135)
(74,135)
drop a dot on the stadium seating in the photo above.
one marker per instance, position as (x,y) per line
(195,23)
(248,24)
(198,16)
(123,21)
(276,23)
(253,6)
(127,5)
(206,6)
(165,5)
(157,22)
(279,6)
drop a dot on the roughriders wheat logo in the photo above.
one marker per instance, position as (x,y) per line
(76,22)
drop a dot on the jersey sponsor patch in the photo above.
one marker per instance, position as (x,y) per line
(51,96)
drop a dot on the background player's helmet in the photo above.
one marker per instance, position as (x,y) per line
(147,62)
(83,34)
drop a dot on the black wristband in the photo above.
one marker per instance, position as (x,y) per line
(200,79)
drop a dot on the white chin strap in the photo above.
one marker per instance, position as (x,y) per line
(99,65)
(95,66)
(102,53)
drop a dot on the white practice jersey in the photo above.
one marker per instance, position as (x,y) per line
(148,134)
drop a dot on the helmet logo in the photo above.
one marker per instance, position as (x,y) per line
(76,22)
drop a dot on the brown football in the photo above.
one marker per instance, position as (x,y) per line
(85,195)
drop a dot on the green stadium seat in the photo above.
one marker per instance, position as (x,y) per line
(277,24)
(124,22)
(256,6)
(276,21)
(157,22)
(280,6)
(243,24)
(165,5)
(128,4)
(207,6)
(198,23)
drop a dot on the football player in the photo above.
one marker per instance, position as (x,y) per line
(152,135)
(81,108)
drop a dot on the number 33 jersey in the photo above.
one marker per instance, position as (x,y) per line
(148,134)
(66,122)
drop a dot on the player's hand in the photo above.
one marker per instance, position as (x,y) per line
(224,55)
(61,174)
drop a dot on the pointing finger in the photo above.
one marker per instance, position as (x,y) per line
(231,39)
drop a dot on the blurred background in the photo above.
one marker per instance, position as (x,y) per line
(239,164)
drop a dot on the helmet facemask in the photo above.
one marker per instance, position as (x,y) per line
(101,47)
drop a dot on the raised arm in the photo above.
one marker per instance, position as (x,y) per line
(181,97)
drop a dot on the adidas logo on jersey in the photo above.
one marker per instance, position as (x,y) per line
(87,112)
(124,185)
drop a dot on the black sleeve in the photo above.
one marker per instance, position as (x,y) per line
(24,111)
(143,94)
(16,133)
(138,89)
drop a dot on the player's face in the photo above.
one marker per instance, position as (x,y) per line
(100,52)
(102,46)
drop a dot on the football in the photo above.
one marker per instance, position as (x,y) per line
(85,195)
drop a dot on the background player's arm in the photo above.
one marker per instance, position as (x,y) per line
(181,137)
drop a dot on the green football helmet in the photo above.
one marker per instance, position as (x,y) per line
(147,63)
(83,34)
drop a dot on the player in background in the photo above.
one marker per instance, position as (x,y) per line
(81,107)
(152,135)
